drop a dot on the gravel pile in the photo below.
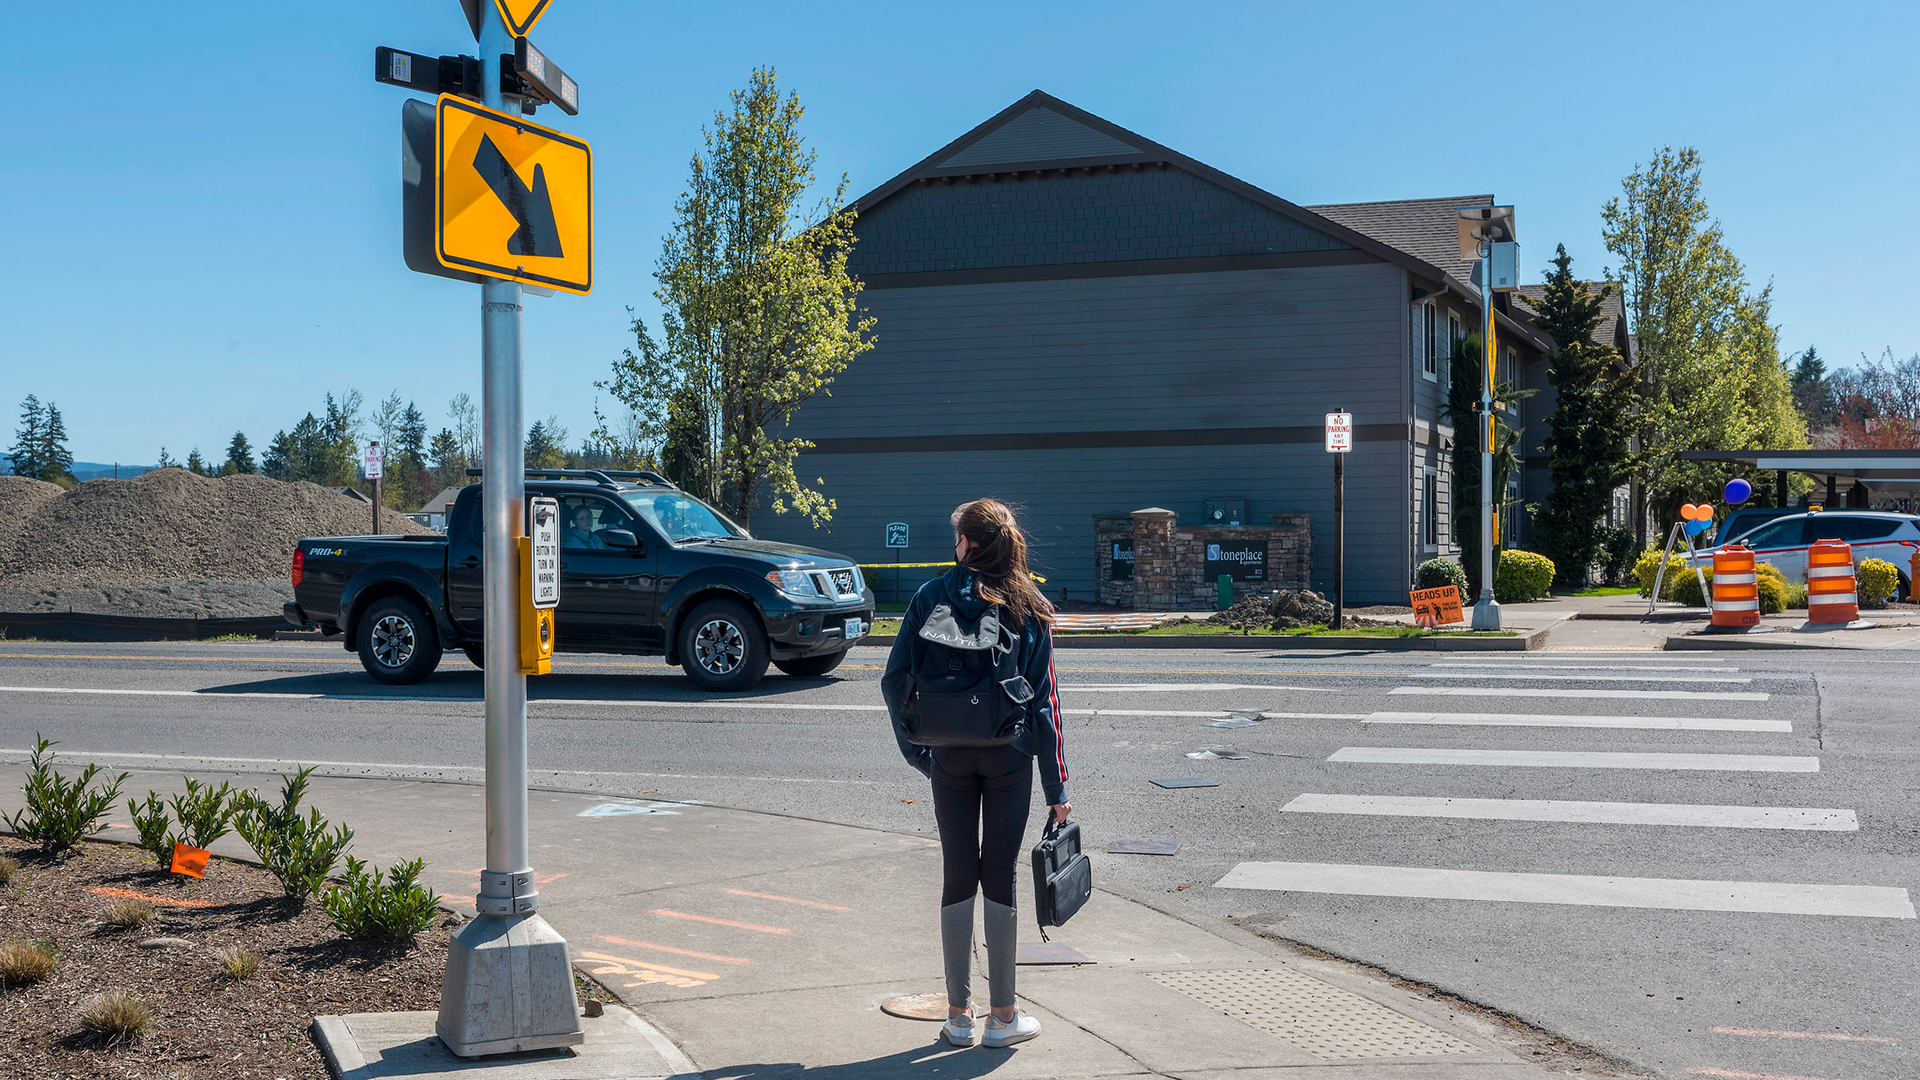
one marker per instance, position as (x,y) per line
(215,543)
(183,599)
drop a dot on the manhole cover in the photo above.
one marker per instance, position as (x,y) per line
(922,1007)
(1330,1023)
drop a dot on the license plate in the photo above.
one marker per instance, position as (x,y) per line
(855,628)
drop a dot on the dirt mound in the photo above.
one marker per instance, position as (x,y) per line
(167,525)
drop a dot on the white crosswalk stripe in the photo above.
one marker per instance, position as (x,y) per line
(1436,822)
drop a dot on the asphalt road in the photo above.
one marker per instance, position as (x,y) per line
(1418,812)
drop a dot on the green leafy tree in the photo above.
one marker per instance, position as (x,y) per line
(1710,372)
(1590,448)
(1812,389)
(1463,410)
(239,456)
(759,312)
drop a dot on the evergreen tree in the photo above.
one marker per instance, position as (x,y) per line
(57,460)
(547,444)
(1813,390)
(194,462)
(277,462)
(410,459)
(239,455)
(449,462)
(30,439)
(1590,449)
(165,461)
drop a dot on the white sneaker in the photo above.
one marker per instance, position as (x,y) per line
(959,1030)
(1007,1032)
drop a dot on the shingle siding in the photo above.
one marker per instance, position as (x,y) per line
(1102,217)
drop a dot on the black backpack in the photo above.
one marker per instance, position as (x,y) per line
(967,688)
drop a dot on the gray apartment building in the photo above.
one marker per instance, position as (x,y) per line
(1083,322)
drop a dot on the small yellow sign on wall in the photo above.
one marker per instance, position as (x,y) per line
(514,200)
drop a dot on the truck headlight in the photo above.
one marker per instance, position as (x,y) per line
(792,582)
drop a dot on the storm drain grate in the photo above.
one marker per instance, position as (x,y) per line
(1325,1021)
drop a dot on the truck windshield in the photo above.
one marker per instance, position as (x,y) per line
(680,516)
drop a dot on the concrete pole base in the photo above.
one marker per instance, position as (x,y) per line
(509,988)
(1486,615)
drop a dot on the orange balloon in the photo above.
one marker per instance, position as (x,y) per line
(1686,512)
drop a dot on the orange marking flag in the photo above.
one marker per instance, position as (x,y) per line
(1437,607)
(191,861)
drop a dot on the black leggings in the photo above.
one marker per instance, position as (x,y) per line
(993,785)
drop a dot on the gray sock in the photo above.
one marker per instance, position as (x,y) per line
(956,947)
(1003,939)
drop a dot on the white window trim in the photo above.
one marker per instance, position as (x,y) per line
(1429,363)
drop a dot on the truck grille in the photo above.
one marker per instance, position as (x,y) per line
(843,582)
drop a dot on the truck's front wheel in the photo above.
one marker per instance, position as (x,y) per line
(723,647)
(398,641)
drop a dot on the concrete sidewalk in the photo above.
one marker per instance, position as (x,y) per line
(763,946)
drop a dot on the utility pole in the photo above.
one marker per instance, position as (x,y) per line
(509,984)
(1486,233)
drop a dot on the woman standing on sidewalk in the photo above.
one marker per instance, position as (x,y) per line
(982,794)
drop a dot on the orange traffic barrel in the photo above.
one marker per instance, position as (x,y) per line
(1831,596)
(1736,587)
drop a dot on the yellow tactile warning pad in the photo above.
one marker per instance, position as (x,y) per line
(1325,1021)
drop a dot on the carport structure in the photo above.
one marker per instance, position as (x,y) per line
(1866,472)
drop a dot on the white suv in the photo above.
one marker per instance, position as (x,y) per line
(1783,542)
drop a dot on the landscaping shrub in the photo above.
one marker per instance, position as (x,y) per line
(1875,582)
(300,851)
(115,1018)
(129,914)
(237,962)
(60,812)
(1773,585)
(1618,548)
(1796,594)
(1437,572)
(203,813)
(1521,576)
(8,868)
(150,824)
(1647,567)
(367,907)
(23,962)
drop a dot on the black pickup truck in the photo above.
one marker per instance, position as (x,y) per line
(645,569)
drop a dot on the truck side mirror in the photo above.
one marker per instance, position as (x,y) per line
(620,538)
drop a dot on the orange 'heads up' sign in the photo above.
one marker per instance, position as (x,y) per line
(1436,607)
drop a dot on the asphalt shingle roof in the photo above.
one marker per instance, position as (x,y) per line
(1423,228)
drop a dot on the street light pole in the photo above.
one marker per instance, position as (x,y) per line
(1486,611)
(509,984)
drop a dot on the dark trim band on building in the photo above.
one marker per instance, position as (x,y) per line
(1100,440)
(1126,268)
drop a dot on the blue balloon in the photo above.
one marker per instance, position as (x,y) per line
(1738,491)
(1695,528)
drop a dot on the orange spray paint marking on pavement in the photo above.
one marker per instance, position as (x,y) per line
(129,894)
(647,973)
(788,900)
(671,949)
(1835,1036)
(723,922)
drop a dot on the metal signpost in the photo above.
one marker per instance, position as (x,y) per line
(372,465)
(1339,444)
(492,198)
(1486,233)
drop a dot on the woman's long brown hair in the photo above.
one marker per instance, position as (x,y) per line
(999,556)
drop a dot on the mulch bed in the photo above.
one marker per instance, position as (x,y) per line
(203,1024)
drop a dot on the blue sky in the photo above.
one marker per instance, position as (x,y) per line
(206,199)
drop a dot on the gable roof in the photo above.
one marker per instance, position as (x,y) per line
(1420,227)
(1040,132)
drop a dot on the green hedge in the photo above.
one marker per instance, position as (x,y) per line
(1522,576)
(1437,572)
(1774,592)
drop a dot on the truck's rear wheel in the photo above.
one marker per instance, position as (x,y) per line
(809,666)
(723,646)
(398,641)
(476,655)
